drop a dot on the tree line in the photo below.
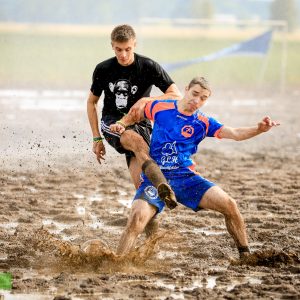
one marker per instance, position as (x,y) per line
(131,11)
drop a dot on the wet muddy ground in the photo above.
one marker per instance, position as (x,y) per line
(55,197)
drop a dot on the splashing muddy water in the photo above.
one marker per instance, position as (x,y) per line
(49,177)
(91,253)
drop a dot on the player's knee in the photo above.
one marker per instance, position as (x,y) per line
(130,136)
(133,141)
(231,207)
(138,221)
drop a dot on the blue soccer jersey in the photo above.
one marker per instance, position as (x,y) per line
(176,136)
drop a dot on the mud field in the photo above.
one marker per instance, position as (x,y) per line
(55,197)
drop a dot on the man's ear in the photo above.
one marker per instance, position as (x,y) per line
(111,87)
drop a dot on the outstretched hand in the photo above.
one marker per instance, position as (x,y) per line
(99,150)
(266,124)
(117,128)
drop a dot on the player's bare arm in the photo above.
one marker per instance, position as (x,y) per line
(244,133)
(171,93)
(127,120)
(98,146)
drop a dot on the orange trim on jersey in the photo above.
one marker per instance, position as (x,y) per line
(205,121)
(147,110)
(160,106)
(218,132)
(192,168)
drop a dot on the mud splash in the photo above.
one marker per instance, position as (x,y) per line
(268,258)
(49,176)
(92,253)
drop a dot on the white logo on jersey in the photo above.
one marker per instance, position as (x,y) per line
(169,154)
(151,192)
(169,149)
(181,117)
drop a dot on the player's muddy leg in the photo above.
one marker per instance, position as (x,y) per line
(135,172)
(216,199)
(132,141)
(154,174)
(152,227)
(141,213)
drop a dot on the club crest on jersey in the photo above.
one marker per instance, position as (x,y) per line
(169,155)
(169,149)
(151,192)
(187,131)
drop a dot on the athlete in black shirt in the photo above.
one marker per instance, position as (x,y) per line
(126,81)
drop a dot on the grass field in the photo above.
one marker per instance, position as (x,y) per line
(49,60)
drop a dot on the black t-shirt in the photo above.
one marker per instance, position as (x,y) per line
(124,86)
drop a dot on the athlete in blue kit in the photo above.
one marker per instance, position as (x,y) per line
(178,129)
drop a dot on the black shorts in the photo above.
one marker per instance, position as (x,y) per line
(143,128)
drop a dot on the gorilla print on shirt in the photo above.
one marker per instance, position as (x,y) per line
(123,90)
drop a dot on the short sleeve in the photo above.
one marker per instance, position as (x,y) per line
(214,127)
(155,106)
(161,78)
(148,110)
(96,87)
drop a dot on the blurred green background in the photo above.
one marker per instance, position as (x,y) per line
(37,59)
(57,44)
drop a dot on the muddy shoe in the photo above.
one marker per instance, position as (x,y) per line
(166,194)
(246,258)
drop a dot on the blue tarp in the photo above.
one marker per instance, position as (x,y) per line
(255,46)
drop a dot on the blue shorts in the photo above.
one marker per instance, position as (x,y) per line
(189,188)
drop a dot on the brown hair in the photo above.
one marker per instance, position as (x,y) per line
(201,81)
(122,33)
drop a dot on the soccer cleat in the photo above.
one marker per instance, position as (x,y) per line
(166,194)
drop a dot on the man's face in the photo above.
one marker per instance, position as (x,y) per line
(194,98)
(124,51)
